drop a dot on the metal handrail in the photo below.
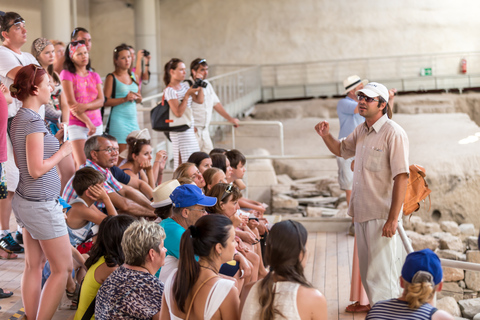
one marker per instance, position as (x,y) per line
(445,262)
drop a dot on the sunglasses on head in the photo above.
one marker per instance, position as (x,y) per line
(227,192)
(35,73)
(15,22)
(200,62)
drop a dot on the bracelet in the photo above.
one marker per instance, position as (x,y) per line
(147,65)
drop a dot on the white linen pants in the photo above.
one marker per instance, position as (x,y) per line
(380,260)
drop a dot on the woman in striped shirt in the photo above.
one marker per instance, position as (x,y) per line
(179,96)
(35,202)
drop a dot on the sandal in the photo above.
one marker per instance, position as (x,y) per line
(73,296)
(5,294)
(10,254)
(357,307)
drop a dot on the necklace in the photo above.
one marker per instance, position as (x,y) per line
(214,271)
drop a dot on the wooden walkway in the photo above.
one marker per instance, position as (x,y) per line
(328,268)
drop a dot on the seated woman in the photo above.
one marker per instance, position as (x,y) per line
(213,176)
(284,293)
(196,290)
(422,276)
(221,161)
(201,160)
(139,162)
(190,171)
(132,291)
(161,199)
(248,245)
(105,257)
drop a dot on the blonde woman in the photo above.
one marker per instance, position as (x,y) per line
(422,277)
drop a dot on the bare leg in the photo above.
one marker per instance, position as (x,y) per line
(66,170)
(5,211)
(78,153)
(348,194)
(255,261)
(32,275)
(59,255)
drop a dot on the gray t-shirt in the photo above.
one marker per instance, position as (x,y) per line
(47,187)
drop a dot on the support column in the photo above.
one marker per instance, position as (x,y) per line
(56,22)
(146,38)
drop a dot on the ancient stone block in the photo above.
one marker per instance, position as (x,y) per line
(473,256)
(451,242)
(450,227)
(472,280)
(281,188)
(472,243)
(452,274)
(420,242)
(469,308)
(449,254)
(467,229)
(449,304)
(284,179)
(451,289)
(283,201)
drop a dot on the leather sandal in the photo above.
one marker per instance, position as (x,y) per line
(357,307)
(10,254)
(5,294)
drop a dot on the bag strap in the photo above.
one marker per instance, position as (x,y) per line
(193,299)
(90,310)
(114,86)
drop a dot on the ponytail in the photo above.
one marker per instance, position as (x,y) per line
(418,294)
(188,269)
(171,65)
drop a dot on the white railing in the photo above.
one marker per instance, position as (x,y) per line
(325,78)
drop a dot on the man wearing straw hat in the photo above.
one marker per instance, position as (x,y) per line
(380,147)
(347,111)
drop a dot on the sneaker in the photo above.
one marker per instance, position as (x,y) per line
(19,237)
(8,243)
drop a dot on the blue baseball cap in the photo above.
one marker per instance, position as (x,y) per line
(189,195)
(423,261)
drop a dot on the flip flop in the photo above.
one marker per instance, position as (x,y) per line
(357,307)
(10,254)
(4,294)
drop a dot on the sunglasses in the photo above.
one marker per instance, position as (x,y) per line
(227,192)
(367,99)
(15,22)
(74,43)
(75,31)
(200,62)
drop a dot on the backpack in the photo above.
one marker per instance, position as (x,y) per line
(417,190)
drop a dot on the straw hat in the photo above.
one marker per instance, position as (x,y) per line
(161,194)
(137,134)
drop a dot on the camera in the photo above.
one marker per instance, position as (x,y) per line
(146,53)
(199,83)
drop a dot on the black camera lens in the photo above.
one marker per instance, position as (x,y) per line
(146,53)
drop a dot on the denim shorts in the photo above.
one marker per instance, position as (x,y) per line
(79,132)
(44,220)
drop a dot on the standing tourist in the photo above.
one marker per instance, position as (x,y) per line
(13,35)
(122,99)
(83,89)
(202,112)
(179,96)
(35,203)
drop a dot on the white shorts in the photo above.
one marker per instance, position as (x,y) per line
(81,133)
(345,173)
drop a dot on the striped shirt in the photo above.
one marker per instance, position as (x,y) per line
(171,93)
(111,184)
(46,187)
(399,310)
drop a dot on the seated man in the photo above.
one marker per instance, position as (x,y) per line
(88,185)
(422,276)
(188,206)
(124,178)
(101,155)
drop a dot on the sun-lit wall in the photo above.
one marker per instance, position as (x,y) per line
(276,31)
